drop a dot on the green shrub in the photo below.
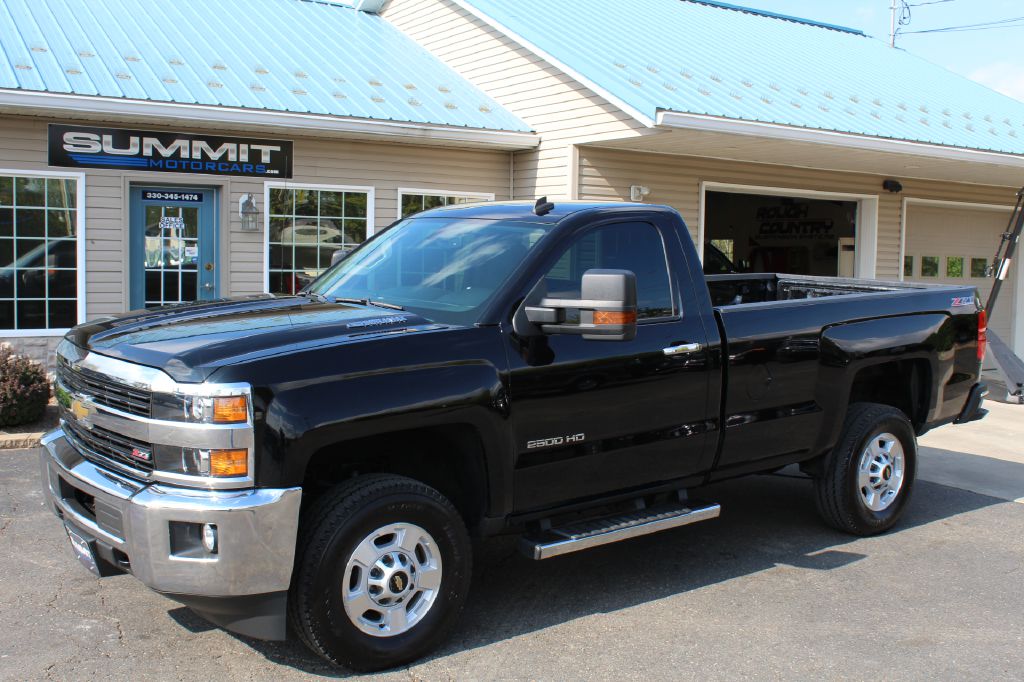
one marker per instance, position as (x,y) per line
(24,389)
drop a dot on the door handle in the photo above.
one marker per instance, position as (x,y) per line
(208,286)
(683,349)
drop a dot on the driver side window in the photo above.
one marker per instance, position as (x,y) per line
(624,246)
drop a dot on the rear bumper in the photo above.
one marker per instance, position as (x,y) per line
(139,528)
(972,408)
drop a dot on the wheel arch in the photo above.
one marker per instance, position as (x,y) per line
(448,457)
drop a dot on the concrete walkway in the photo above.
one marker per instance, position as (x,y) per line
(985,457)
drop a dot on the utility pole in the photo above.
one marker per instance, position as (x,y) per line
(892,23)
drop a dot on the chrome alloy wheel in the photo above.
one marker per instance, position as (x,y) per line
(392,579)
(880,472)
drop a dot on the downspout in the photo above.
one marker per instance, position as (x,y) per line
(511,176)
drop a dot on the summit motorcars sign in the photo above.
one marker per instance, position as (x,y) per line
(115,148)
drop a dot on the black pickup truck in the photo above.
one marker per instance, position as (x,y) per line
(564,372)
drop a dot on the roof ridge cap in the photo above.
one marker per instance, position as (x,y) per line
(776,15)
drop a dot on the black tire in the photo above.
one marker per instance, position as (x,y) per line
(332,529)
(837,491)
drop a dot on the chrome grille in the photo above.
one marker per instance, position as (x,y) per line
(103,446)
(103,390)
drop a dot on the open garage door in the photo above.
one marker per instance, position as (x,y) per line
(952,245)
(750,232)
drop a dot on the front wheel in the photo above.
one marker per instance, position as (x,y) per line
(383,571)
(867,479)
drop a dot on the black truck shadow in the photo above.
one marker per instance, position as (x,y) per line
(766,521)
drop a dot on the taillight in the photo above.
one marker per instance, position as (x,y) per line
(982,334)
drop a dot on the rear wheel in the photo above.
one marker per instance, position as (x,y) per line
(382,574)
(866,481)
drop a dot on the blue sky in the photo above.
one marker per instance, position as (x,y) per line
(992,57)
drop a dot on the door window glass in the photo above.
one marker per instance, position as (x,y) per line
(38,253)
(979,267)
(954,266)
(171,255)
(636,247)
(929,266)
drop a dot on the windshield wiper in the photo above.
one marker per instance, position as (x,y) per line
(366,301)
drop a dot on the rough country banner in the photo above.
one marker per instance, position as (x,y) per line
(85,147)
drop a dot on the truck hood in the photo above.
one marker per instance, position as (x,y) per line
(189,342)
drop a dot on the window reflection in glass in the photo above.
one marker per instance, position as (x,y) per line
(954,266)
(979,267)
(929,266)
(414,203)
(306,227)
(38,253)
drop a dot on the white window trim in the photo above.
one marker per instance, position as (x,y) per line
(269,185)
(402,191)
(80,243)
(866,225)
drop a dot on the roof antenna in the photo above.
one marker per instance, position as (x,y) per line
(543,206)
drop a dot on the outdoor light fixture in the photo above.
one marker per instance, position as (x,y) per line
(892,186)
(638,192)
(249,212)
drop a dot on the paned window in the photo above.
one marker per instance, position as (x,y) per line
(38,252)
(306,227)
(414,202)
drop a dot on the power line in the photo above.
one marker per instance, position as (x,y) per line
(1000,23)
(967,30)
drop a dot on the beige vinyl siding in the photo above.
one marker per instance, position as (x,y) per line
(557,107)
(384,166)
(606,174)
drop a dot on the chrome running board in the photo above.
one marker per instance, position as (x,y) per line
(605,530)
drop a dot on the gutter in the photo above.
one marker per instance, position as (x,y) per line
(56,104)
(673,119)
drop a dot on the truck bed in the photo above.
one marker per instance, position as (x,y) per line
(779,337)
(740,289)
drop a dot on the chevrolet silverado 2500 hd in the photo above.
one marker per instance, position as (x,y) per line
(567,373)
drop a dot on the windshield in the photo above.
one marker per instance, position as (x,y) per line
(444,269)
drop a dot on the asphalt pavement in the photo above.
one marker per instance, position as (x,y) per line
(763,592)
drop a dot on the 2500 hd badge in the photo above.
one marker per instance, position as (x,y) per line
(557,440)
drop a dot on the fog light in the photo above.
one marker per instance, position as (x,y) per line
(210,538)
(229,462)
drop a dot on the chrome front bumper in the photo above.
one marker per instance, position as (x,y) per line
(133,520)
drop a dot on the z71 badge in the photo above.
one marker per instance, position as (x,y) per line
(556,441)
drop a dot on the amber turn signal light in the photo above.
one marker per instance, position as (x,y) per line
(229,462)
(230,410)
(614,317)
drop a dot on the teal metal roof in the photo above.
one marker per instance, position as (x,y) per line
(713,59)
(278,55)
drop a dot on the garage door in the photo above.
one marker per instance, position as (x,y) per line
(953,246)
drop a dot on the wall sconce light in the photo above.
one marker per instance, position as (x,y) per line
(638,192)
(249,212)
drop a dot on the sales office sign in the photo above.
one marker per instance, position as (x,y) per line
(139,150)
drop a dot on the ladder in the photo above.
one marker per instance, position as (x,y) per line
(1010,365)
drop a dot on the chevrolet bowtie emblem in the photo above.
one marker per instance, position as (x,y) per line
(80,408)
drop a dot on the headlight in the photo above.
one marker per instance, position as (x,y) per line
(232,409)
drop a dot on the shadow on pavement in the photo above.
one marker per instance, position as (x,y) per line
(766,521)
